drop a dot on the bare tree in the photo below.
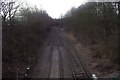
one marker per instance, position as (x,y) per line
(118,4)
(8,9)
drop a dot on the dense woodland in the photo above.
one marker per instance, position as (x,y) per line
(25,28)
(97,25)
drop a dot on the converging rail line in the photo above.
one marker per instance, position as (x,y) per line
(64,59)
(81,71)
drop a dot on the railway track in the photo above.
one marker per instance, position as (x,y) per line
(62,58)
(81,70)
(81,62)
(55,70)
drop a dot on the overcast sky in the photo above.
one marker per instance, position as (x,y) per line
(56,8)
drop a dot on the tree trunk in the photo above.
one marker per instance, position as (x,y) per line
(119,31)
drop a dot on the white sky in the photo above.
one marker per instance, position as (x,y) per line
(56,8)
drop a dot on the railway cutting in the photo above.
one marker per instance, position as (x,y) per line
(60,59)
